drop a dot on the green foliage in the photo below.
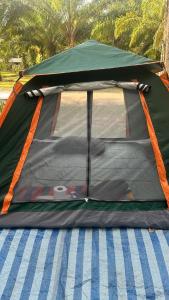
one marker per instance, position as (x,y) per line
(124,27)
(142,31)
(104,31)
(2,104)
(35,29)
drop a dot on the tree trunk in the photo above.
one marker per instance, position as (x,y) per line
(166,38)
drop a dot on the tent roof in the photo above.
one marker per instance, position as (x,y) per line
(90,55)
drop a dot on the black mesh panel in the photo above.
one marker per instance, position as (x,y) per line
(55,168)
(126,169)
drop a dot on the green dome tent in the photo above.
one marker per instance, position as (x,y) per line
(88,56)
(85,143)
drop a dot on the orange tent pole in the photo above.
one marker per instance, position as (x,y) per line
(8,198)
(16,89)
(165,80)
(158,157)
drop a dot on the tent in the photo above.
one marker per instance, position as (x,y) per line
(85,143)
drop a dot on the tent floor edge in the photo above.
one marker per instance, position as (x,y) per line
(156,219)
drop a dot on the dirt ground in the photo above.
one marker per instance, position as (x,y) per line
(4,94)
(108,118)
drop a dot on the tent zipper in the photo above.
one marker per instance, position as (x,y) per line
(89,129)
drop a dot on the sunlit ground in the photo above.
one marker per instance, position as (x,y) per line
(6,85)
(9,79)
(108,117)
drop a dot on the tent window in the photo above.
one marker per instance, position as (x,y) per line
(109,114)
(71,117)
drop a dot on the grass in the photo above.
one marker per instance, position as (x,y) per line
(9,79)
(7,83)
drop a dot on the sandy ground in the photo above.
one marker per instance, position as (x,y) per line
(4,93)
(108,118)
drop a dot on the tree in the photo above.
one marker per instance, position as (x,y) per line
(36,29)
(44,28)
(105,27)
(142,29)
(73,14)
(166,38)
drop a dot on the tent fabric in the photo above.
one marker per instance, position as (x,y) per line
(124,187)
(157,153)
(84,264)
(165,80)
(157,105)
(40,208)
(16,89)
(25,150)
(62,161)
(15,128)
(87,86)
(90,55)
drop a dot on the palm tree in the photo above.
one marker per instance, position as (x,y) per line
(45,27)
(142,30)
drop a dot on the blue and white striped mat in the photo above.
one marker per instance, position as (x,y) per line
(84,264)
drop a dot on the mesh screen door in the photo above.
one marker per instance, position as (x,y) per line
(56,165)
(90,145)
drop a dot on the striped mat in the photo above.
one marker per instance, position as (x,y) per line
(84,264)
